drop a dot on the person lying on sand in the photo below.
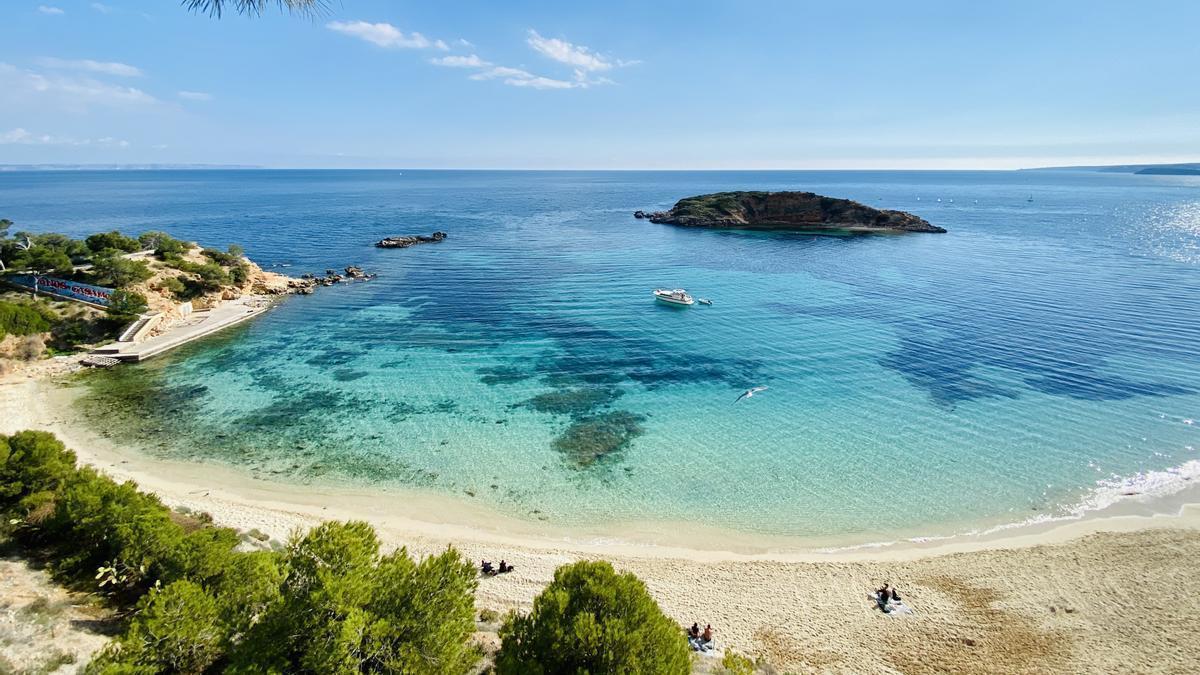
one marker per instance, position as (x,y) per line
(889,601)
(486,567)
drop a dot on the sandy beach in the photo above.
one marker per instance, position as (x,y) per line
(1113,591)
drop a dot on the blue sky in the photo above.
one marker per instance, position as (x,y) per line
(528,84)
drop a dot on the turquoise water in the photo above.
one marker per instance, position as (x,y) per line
(1040,353)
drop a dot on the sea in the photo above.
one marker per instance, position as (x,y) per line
(1039,360)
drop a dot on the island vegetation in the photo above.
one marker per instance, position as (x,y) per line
(786,211)
(151,272)
(193,597)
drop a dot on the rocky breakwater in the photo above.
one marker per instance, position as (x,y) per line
(410,240)
(786,211)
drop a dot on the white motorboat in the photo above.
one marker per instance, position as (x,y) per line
(673,297)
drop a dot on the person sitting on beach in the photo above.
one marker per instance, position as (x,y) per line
(694,632)
(706,638)
(486,567)
(882,596)
(505,567)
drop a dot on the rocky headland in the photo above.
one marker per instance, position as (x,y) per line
(786,211)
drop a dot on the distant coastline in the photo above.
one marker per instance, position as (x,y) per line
(125,167)
(1178,169)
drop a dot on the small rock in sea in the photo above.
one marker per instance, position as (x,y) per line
(470,493)
(501,421)
(410,240)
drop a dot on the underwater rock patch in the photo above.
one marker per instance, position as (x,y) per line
(593,438)
(574,402)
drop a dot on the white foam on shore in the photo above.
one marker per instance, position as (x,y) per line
(1143,486)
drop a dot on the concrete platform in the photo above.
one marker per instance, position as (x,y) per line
(198,325)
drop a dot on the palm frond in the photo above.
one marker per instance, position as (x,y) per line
(214,8)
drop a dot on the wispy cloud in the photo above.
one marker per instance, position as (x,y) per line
(101,7)
(71,92)
(53,11)
(90,66)
(469,61)
(562,51)
(20,136)
(385,35)
(195,96)
(463,42)
(516,77)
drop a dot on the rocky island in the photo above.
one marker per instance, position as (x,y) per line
(410,240)
(786,211)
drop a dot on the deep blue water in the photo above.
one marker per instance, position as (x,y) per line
(1038,354)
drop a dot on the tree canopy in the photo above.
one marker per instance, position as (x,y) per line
(591,619)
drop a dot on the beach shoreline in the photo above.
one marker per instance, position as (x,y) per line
(1087,594)
(232,495)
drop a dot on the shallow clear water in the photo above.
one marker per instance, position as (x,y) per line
(918,384)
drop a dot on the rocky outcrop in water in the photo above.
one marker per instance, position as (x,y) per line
(410,240)
(785,211)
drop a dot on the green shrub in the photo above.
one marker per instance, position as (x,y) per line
(329,603)
(343,608)
(125,305)
(592,620)
(34,465)
(16,319)
(174,286)
(111,268)
(45,260)
(233,257)
(164,245)
(239,273)
(736,664)
(175,630)
(112,240)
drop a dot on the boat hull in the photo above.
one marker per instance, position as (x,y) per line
(674,301)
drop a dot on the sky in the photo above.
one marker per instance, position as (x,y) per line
(618,84)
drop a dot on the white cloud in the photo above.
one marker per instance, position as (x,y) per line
(564,52)
(53,11)
(463,42)
(515,77)
(539,82)
(195,96)
(101,7)
(76,93)
(90,66)
(501,71)
(20,136)
(385,35)
(471,61)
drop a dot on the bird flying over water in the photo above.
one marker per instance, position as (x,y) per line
(750,392)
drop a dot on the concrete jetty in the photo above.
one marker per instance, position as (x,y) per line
(199,324)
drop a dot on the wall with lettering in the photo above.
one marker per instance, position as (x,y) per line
(96,295)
